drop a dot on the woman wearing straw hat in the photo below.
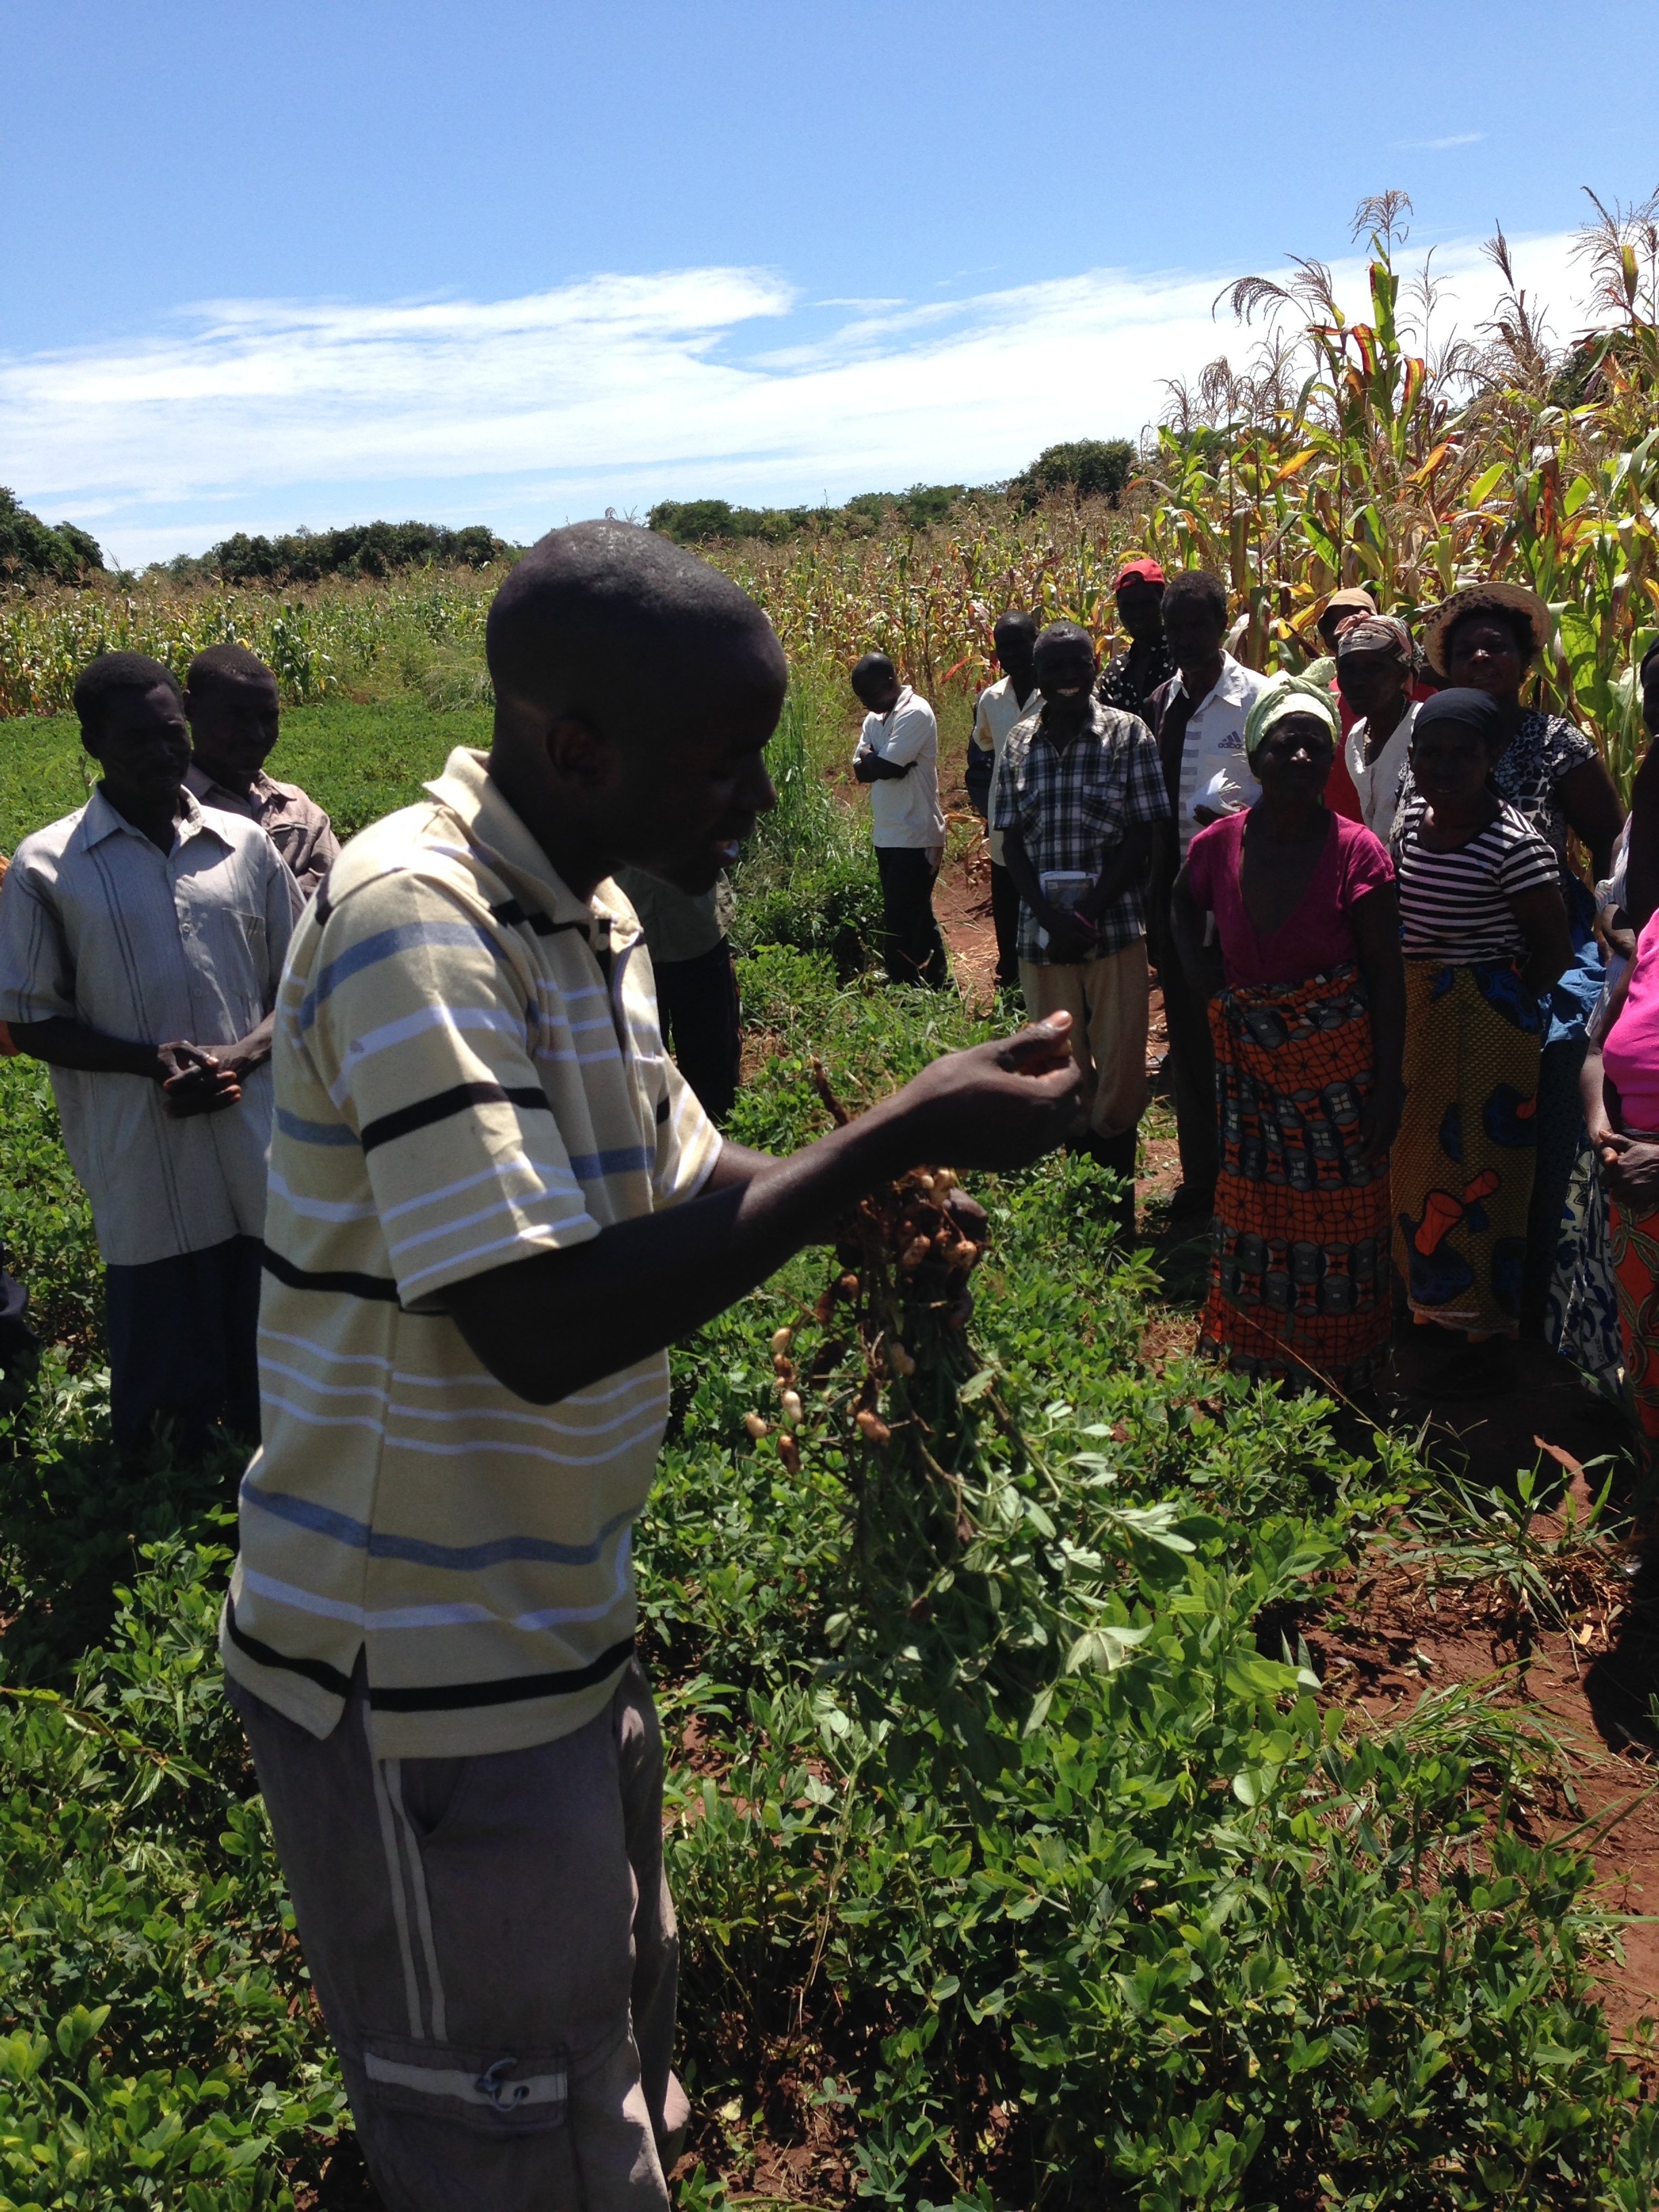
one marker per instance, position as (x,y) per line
(1309,1030)
(1486,638)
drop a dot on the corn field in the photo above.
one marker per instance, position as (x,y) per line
(1341,452)
(1361,452)
(931,600)
(316,639)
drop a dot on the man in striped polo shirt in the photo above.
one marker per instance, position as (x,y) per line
(494,1203)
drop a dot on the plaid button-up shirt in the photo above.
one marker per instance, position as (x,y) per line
(1074,809)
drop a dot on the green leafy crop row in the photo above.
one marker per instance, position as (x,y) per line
(1181,1932)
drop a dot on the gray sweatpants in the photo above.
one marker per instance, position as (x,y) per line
(494,1949)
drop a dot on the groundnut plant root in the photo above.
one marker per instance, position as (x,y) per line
(946,1614)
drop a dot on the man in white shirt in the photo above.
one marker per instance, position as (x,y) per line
(897,756)
(142,940)
(1198,718)
(999,706)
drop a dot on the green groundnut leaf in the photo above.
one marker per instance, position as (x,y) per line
(1108,1646)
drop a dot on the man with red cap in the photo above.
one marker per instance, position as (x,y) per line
(1129,679)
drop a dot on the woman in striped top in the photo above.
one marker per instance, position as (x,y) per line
(1485,934)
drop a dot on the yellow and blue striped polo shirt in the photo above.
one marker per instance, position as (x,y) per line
(468,1070)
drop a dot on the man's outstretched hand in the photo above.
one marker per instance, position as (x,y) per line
(556,1322)
(999,1105)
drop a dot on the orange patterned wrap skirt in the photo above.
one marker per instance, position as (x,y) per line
(1298,1267)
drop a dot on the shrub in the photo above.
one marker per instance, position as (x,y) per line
(709,521)
(32,550)
(369,548)
(1089,468)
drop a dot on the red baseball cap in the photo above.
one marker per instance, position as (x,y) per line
(1144,571)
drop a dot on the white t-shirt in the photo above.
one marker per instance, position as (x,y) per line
(1378,784)
(1214,746)
(996,713)
(905,810)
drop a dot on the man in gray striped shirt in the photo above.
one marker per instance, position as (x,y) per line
(142,940)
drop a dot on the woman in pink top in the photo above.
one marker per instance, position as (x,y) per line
(1619,1085)
(1308,1016)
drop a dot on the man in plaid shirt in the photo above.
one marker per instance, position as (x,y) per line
(1079,801)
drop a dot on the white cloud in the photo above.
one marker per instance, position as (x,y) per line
(1440,145)
(616,391)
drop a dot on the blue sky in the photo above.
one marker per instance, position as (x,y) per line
(266,265)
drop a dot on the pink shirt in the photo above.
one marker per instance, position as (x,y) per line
(1318,935)
(1631,1053)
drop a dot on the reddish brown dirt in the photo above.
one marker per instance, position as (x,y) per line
(1390,1639)
(962,902)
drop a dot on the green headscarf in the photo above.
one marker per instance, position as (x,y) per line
(1287,694)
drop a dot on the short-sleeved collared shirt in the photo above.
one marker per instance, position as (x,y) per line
(100,925)
(996,711)
(905,810)
(1072,809)
(290,818)
(1213,744)
(469,1071)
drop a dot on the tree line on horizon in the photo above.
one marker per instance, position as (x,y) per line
(35,552)
(1087,468)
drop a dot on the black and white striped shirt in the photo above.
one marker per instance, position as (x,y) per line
(1456,906)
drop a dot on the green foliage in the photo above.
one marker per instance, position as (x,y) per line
(160,2047)
(320,641)
(708,522)
(1088,468)
(32,550)
(367,549)
(358,761)
(1187,1936)
(1164,1930)
(1357,452)
(808,878)
(46,1224)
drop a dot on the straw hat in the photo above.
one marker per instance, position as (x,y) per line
(1514,599)
(1354,600)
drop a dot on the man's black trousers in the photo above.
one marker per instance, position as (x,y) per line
(914,949)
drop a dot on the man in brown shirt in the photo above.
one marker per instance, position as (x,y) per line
(230,697)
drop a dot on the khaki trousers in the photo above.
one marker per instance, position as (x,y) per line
(496,1952)
(1107,997)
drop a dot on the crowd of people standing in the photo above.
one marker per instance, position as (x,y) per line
(1386,986)
(1385,983)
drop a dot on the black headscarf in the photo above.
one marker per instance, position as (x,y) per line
(1474,709)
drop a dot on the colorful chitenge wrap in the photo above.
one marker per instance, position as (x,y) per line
(1463,1159)
(1298,1273)
(1633,1248)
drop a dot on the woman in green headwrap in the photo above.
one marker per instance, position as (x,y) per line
(1308,1017)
